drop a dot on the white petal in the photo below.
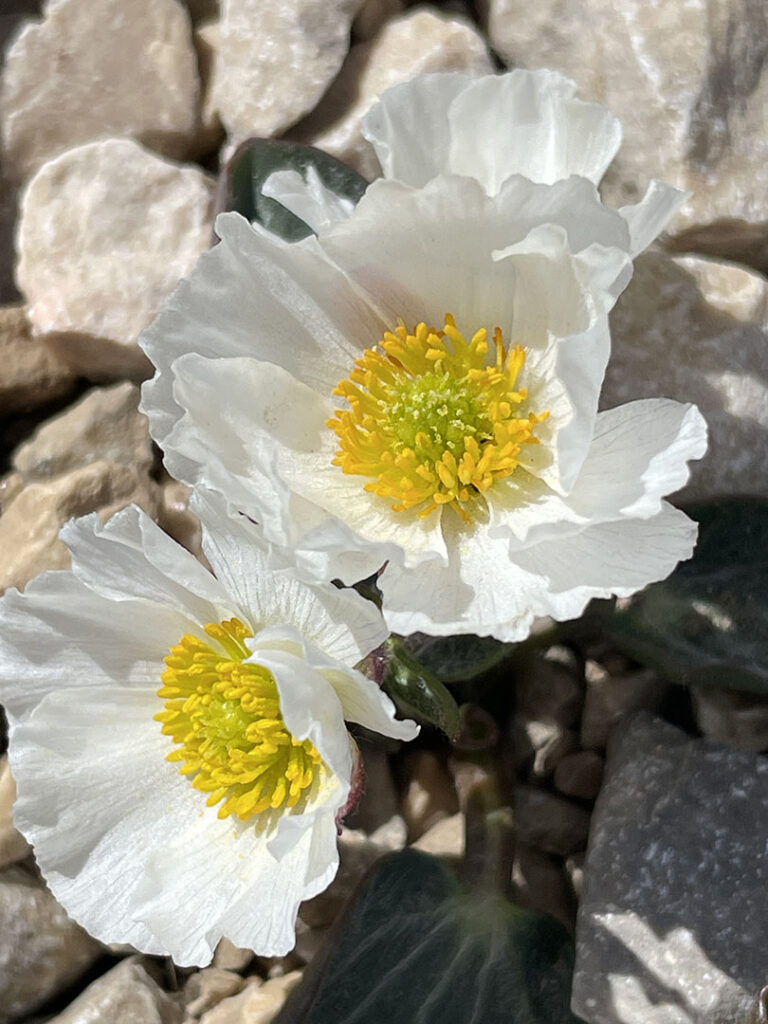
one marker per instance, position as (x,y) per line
(130,557)
(528,122)
(362,700)
(616,558)
(480,591)
(409,129)
(639,454)
(59,635)
(129,847)
(487,589)
(343,624)
(650,216)
(367,705)
(524,122)
(255,295)
(271,439)
(580,367)
(310,200)
(450,248)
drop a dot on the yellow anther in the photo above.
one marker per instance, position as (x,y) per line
(224,717)
(430,421)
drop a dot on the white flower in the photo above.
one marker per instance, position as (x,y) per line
(417,385)
(222,819)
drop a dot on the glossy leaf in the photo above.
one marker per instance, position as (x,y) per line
(455,659)
(707,623)
(415,948)
(416,691)
(243,179)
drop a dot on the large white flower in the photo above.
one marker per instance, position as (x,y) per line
(178,738)
(416,386)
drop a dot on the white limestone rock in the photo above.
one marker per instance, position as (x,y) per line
(417,42)
(125,995)
(92,68)
(13,846)
(689,82)
(29,526)
(276,60)
(697,331)
(673,922)
(372,15)
(106,231)
(104,424)
(258,1003)
(41,950)
(31,375)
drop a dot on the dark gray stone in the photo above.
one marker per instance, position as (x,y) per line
(673,924)
(549,822)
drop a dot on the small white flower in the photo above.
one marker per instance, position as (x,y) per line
(178,738)
(417,384)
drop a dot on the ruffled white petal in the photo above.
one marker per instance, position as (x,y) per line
(253,294)
(361,699)
(342,623)
(605,559)
(516,261)
(59,635)
(639,454)
(480,591)
(409,129)
(490,589)
(308,198)
(129,847)
(524,122)
(529,123)
(130,557)
(273,432)
(650,216)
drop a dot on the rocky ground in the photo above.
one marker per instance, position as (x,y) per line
(113,128)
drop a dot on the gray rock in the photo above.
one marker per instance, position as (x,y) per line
(549,822)
(550,687)
(104,424)
(540,882)
(545,742)
(125,995)
(697,331)
(580,774)
(611,698)
(41,950)
(59,88)
(673,924)
(689,81)
(738,719)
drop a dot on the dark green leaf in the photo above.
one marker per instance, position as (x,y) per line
(708,622)
(418,693)
(243,179)
(455,659)
(415,948)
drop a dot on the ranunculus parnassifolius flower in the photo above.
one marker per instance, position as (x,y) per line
(178,739)
(415,386)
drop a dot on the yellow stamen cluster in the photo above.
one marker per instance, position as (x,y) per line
(225,718)
(431,419)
